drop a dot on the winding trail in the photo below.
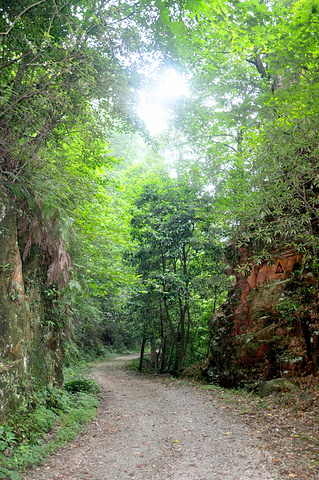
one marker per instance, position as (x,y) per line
(151,429)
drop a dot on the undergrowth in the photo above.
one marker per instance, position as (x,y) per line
(45,421)
(147,368)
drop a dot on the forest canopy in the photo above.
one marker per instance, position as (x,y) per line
(134,249)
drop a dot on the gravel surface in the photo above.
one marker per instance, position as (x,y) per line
(151,429)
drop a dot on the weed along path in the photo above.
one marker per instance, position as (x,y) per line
(158,429)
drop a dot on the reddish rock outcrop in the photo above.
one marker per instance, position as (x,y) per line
(264,330)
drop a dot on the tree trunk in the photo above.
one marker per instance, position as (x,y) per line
(142,353)
(153,347)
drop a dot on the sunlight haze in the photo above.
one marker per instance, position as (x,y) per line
(154,101)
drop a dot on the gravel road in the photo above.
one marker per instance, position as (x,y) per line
(152,429)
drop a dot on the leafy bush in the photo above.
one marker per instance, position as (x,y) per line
(7,438)
(82,385)
(6,474)
(23,440)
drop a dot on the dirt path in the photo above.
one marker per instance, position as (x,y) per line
(149,429)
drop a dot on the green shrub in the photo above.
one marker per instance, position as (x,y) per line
(7,438)
(23,440)
(9,474)
(82,385)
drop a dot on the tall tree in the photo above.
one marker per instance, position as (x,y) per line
(171,228)
(253,105)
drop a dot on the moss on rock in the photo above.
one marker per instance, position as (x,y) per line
(30,345)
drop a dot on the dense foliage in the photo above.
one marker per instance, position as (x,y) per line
(177,258)
(69,76)
(252,116)
(130,253)
(136,255)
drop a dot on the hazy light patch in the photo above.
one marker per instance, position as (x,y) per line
(155,100)
(172,84)
(154,115)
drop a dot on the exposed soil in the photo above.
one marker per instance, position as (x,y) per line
(152,428)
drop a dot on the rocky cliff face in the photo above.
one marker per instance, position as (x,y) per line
(30,339)
(269,325)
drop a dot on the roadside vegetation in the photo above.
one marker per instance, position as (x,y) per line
(47,419)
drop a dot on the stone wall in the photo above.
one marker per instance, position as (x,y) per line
(264,330)
(30,344)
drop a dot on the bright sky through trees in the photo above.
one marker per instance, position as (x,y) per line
(155,100)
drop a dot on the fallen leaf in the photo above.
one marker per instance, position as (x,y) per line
(120,448)
(227,433)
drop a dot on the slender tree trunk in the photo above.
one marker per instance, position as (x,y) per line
(166,309)
(306,203)
(154,354)
(163,341)
(184,332)
(169,362)
(209,327)
(142,353)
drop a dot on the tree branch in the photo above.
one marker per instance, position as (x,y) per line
(20,15)
(225,145)
(7,64)
(23,97)
(258,64)
(57,10)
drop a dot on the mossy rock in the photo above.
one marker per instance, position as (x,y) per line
(277,385)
